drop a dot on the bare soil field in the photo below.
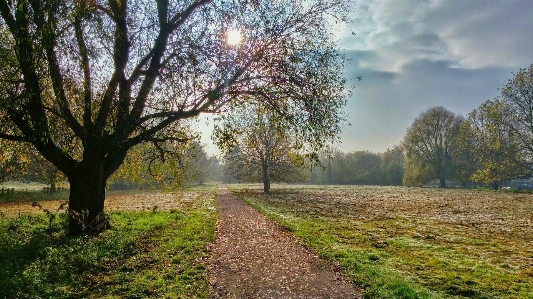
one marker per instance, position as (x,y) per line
(454,242)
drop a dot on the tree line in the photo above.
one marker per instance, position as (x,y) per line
(360,167)
(168,166)
(491,145)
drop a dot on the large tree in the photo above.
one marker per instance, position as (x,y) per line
(495,147)
(465,157)
(105,76)
(393,166)
(517,93)
(431,143)
(263,148)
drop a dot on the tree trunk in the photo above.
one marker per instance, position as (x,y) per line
(86,200)
(53,187)
(442,182)
(329,173)
(266,178)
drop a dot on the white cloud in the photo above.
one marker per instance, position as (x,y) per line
(471,34)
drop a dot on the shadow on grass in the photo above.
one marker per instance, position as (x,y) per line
(147,254)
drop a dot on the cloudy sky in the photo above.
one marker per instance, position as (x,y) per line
(416,54)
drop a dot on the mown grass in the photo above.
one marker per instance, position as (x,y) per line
(146,254)
(395,256)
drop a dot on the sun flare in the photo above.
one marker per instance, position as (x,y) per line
(233,37)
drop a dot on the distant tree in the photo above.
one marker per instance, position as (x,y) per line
(20,161)
(203,168)
(263,148)
(366,168)
(431,143)
(13,160)
(360,167)
(107,76)
(340,167)
(465,159)
(320,171)
(171,165)
(517,93)
(216,169)
(329,170)
(393,166)
(496,148)
(417,172)
(41,170)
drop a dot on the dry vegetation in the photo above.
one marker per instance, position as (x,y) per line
(454,242)
(115,201)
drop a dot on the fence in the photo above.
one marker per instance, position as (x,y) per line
(7,191)
(50,190)
(11,191)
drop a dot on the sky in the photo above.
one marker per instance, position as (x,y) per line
(417,54)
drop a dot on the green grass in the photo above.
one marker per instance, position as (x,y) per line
(153,254)
(389,258)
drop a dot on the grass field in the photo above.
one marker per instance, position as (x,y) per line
(399,242)
(155,249)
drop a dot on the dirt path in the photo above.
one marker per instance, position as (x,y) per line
(254,258)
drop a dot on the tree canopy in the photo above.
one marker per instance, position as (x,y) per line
(85,81)
(170,166)
(263,148)
(495,147)
(13,161)
(517,93)
(430,143)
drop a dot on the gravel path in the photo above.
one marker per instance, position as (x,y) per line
(254,258)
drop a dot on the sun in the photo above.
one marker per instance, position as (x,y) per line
(233,37)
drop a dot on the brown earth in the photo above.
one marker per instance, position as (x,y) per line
(254,258)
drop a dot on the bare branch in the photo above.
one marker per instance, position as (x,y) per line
(87,89)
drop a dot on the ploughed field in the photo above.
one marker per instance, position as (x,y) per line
(399,242)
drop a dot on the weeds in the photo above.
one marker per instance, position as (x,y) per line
(88,225)
(51,215)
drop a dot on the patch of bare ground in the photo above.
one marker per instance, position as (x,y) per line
(254,258)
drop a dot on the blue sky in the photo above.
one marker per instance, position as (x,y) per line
(416,54)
